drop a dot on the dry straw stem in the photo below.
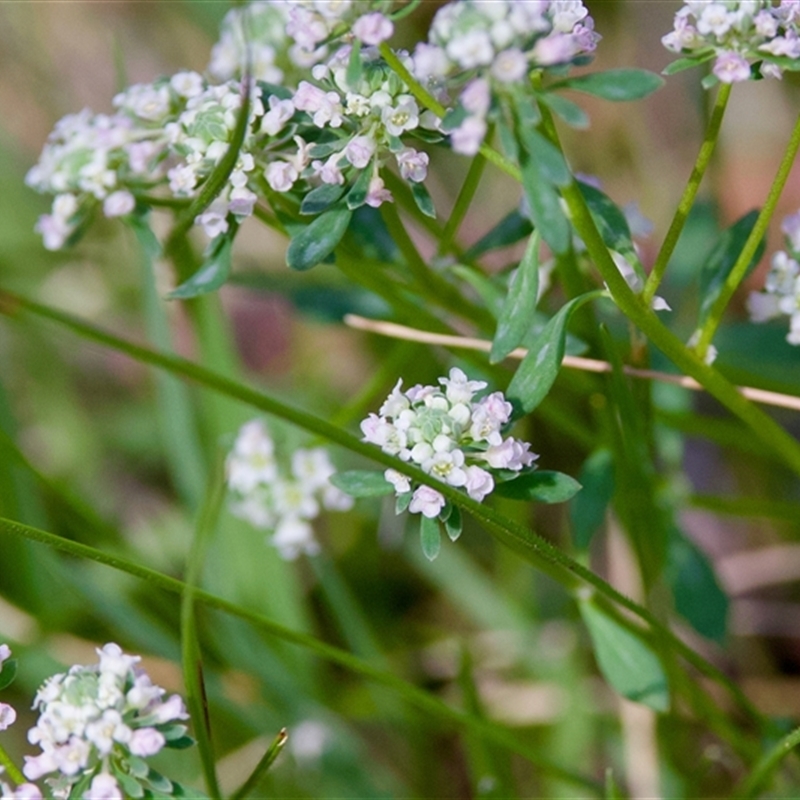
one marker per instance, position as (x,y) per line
(396,331)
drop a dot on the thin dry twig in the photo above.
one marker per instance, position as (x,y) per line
(396,331)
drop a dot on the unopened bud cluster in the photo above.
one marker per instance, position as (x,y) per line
(449,434)
(781,293)
(96,726)
(738,34)
(268,498)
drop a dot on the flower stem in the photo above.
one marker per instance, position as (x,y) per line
(11,768)
(739,270)
(689,194)
(463,201)
(762,771)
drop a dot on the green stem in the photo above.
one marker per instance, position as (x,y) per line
(432,104)
(739,270)
(689,194)
(11,768)
(252,783)
(419,698)
(530,546)
(463,201)
(764,769)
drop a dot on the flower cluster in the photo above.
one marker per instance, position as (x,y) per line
(738,34)
(271,500)
(492,47)
(7,713)
(781,294)
(96,725)
(356,126)
(451,436)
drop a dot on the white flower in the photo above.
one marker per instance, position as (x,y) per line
(458,388)
(5,654)
(312,468)
(214,220)
(473,49)
(281,175)
(187,84)
(731,68)
(360,150)
(401,483)
(468,137)
(104,787)
(510,454)
(430,61)
(413,164)
(146,742)
(479,482)
(280,112)
(119,203)
(169,710)
(293,537)
(510,66)
(372,29)
(426,501)
(404,116)
(7,716)
(378,193)
(447,467)
(27,791)
(476,97)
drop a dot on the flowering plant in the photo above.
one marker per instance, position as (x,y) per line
(355,195)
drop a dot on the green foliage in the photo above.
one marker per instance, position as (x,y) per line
(317,241)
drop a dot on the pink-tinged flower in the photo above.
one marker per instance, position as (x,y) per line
(119,203)
(476,97)
(763,306)
(731,68)
(214,220)
(479,483)
(404,116)
(38,766)
(401,483)
(378,193)
(458,388)
(280,112)
(473,49)
(372,29)
(510,66)
(104,787)
(5,654)
(170,709)
(146,742)
(281,175)
(511,454)
(294,536)
(7,716)
(359,151)
(558,48)
(791,227)
(426,501)
(325,107)
(413,164)
(306,28)
(430,61)
(242,201)
(395,403)
(27,791)
(467,138)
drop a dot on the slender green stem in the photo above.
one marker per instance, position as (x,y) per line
(251,784)
(430,102)
(689,194)
(764,769)
(739,270)
(517,537)
(11,768)
(463,201)
(190,647)
(419,698)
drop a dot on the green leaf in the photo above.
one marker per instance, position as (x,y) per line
(453,524)
(430,537)
(516,314)
(173,732)
(357,196)
(510,230)
(587,511)
(403,501)
(129,785)
(423,199)
(158,782)
(698,595)
(355,65)
(318,240)
(720,261)
(8,673)
(545,206)
(540,486)
(570,112)
(214,271)
(538,370)
(321,198)
(181,743)
(627,663)
(616,84)
(681,64)
(610,220)
(549,159)
(362,483)
(263,766)
(488,289)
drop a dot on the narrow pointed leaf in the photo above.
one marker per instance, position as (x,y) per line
(719,263)
(357,196)
(510,230)
(545,206)
(453,524)
(616,84)
(549,159)
(321,198)
(267,760)
(317,241)
(626,661)
(8,673)
(587,511)
(214,271)
(609,218)
(541,486)
(570,112)
(362,483)
(423,200)
(538,370)
(516,315)
(681,64)
(430,537)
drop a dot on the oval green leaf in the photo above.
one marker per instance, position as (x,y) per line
(213,273)
(321,198)
(516,314)
(627,663)
(570,112)
(318,240)
(362,483)
(541,486)
(430,537)
(8,673)
(545,205)
(616,84)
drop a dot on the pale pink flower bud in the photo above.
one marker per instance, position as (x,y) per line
(479,483)
(359,151)
(413,164)
(169,710)
(476,97)
(401,483)
(7,716)
(104,787)
(426,501)
(5,654)
(119,203)
(372,29)
(146,742)
(731,68)
(27,791)
(467,138)
(281,175)
(378,193)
